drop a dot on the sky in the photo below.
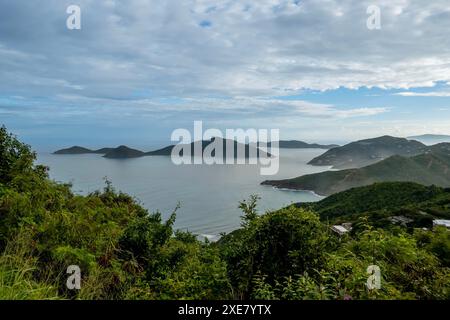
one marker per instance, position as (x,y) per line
(139,69)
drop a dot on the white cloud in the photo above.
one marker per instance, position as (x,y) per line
(423,94)
(264,47)
(250,107)
(135,60)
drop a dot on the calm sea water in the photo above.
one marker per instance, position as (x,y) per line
(209,195)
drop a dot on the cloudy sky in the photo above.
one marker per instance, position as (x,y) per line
(139,69)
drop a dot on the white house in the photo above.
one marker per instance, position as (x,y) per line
(340,230)
(443,223)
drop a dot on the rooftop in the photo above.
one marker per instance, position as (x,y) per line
(445,223)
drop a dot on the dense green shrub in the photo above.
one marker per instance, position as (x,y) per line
(126,252)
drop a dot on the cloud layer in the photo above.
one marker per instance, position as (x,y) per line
(225,47)
(227,56)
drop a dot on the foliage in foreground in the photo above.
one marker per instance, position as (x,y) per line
(125,252)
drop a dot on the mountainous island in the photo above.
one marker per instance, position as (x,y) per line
(296,144)
(120,152)
(429,168)
(124,152)
(365,152)
(249,150)
(81,150)
(283,144)
(381,201)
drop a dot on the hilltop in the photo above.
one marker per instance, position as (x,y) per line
(365,152)
(249,150)
(123,152)
(296,144)
(82,150)
(431,167)
(73,150)
(383,200)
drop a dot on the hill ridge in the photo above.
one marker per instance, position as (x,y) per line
(429,168)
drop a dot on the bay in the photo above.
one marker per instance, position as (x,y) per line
(209,195)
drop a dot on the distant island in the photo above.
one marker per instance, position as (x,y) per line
(429,168)
(296,144)
(124,152)
(119,152)
(81,150)
(369,151)
(305,251)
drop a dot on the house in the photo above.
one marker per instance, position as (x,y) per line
(402,220)
(339,229)
(443,223)
(348,226)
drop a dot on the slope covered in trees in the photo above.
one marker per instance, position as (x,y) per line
(429,168)
(381,201)
(369,151)
(126,252)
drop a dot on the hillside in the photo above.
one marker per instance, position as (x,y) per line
(295,144)
(126,252)
(249,150)
(123,152)
(103,150)
(283,144)
(365,152)
(82,150)
(74,150)
(429,168)
(166,151)
(382,200)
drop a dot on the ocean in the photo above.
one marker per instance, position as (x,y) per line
(208,195)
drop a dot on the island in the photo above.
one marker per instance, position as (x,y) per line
(82,150)
(125,152)
(369,151)
(296,144)
(428,168)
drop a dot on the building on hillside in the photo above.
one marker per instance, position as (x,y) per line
(402,220)
(443,223)
(339,229)
(347,225)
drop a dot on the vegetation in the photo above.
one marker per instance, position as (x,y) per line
(366,152)
(295,144)
(124,152)
(380,201)
(430,168)
(126,252)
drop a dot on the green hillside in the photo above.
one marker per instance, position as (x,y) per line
(125,252)
(74,150)
(123,152)
(430,168)
(365,152)
(296,144)
(383,200)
